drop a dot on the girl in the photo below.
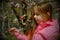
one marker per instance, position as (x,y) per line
(46,28)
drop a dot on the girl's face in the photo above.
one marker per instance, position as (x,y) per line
(41,17)
(37,18)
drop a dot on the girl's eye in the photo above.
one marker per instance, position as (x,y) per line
(36,14)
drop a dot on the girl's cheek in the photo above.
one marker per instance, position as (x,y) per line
(37,17)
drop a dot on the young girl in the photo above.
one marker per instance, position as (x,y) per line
(46,27)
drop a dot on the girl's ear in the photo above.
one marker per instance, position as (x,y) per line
(48,13)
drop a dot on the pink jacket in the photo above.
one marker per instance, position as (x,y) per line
(44,31)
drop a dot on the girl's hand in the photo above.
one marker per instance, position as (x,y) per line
(18,34)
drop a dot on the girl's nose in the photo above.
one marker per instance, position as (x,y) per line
(35,16)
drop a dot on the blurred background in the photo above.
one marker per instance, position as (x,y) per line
(11,10)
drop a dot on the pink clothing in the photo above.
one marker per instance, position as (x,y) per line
(44,31)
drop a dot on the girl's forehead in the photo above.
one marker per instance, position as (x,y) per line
(35,7)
